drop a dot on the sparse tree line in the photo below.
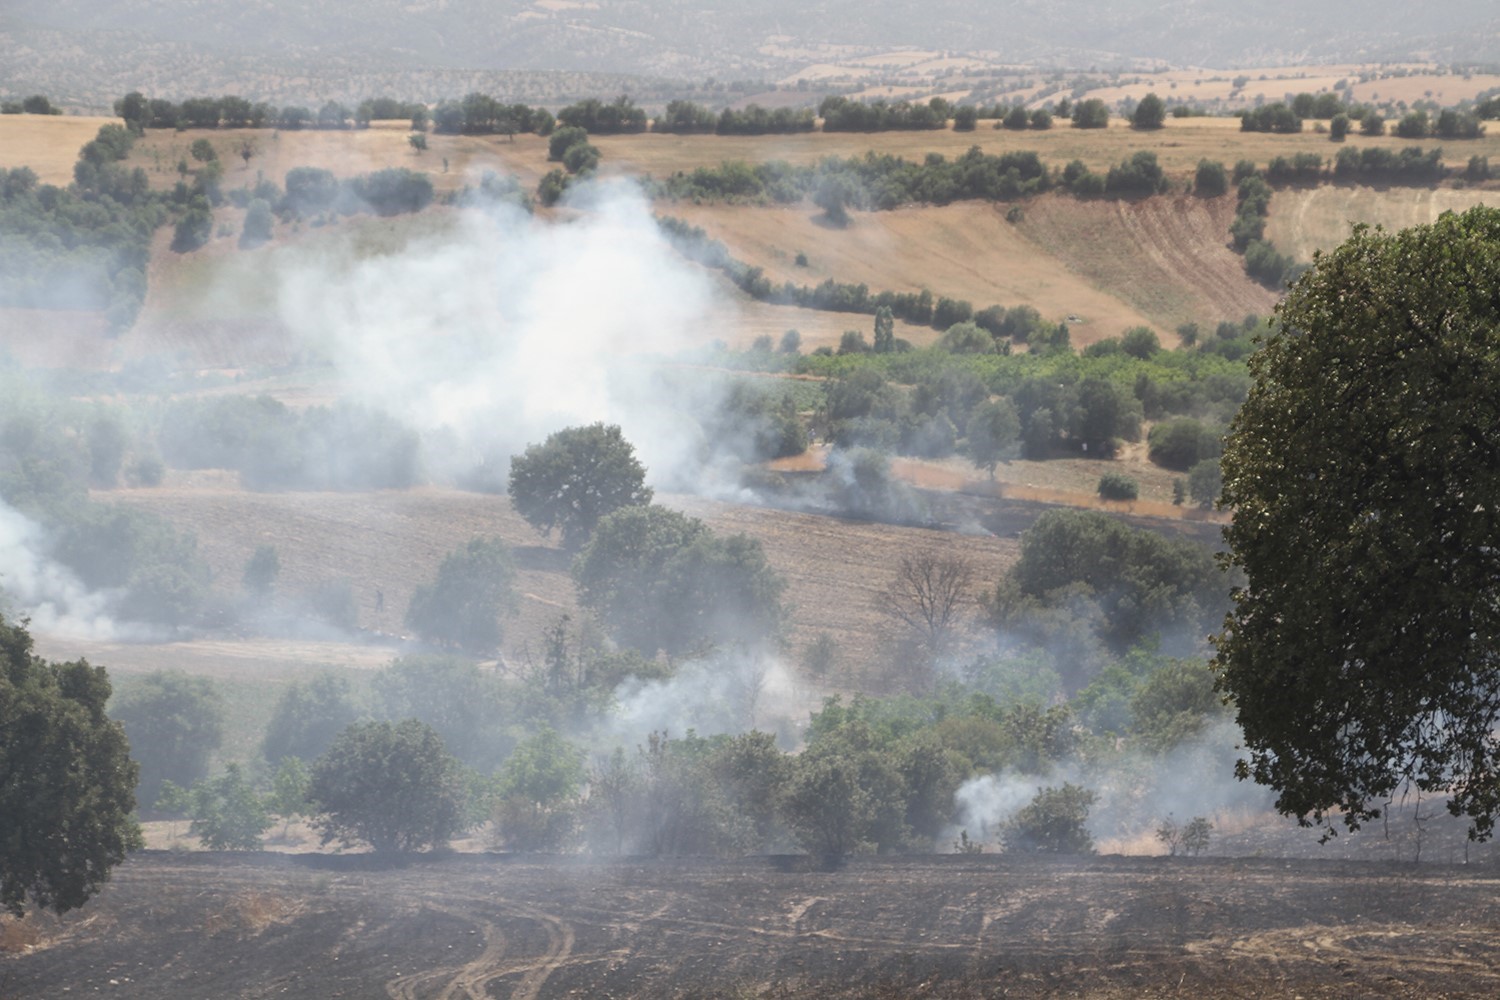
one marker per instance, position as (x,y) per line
(444,737)
(1418,123)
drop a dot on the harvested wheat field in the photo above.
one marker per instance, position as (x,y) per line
(48,144)
(965,251)
(175,926)
(1169,257)
(450,160)
(1305,220)
(392,541)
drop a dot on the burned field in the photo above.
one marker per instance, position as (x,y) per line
(954,926)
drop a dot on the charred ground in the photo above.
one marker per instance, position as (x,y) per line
(480,926)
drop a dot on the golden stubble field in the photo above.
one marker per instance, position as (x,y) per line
(48,144)
(1304,220)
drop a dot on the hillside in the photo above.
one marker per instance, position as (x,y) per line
(165,44)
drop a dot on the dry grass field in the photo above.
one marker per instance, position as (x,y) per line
(1309,219)
(48,144)
(392,541)
(1178,146)
(966,251)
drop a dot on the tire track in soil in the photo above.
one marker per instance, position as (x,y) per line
(560,942)
(466,980)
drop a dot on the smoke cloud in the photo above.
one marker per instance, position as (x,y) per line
(506,328)
(35,586)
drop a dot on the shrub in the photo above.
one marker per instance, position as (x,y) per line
(1052,823)
(1117,486)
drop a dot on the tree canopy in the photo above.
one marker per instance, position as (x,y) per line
(1364,470)
(475,585)
(67,783)
(574,478)
(395,787)
(661,580)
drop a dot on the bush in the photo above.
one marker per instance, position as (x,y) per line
(395,787)
(1052,823)
(1180,444)
(1117,486)
(1210,181)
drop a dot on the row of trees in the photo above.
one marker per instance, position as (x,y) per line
(232,111)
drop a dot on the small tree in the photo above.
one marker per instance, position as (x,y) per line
(394,787)
(1151,113)
(994,428)
(261,571)
(1205,483)
(1210,180)
(173,802)
(174,722)
(418,142)
(227,814)
(825,804)
(834,195)
(929,595)
(1338,127)
(539,792)
(1118,486)
(289,786)
(574,478)
(1054,822)
(462,607)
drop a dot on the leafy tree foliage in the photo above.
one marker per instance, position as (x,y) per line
(288,796)
(67,783)
(395,787)
(307,716)
(174,722)
(992,432)
(661,580)
(600,118)
(475,586)
(539,789)
(1210,180)
(1270,118)
(1150,113)
(841,114)
(1118,486)
(1361,650)
(1052,823)
(261,571)
(1092,113)
(1144,582)
(574,478)
(227,814)
(1182,443)
(463,703)
(1139,175)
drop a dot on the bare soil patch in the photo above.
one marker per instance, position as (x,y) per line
(188,926)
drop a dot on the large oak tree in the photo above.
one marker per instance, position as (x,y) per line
(1364,472)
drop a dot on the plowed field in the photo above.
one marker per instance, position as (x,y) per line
(204,925)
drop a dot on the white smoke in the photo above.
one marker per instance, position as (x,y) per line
(34,586)
(506,328)
(1134,792)
(731,693)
